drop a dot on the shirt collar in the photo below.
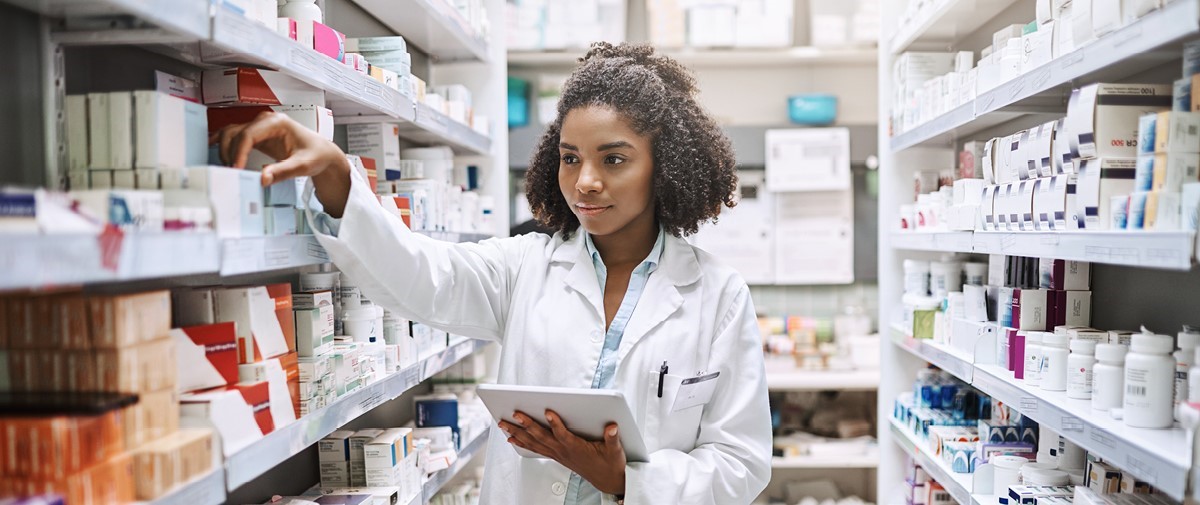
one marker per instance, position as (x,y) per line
(651,260)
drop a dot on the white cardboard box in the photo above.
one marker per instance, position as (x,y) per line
(1171,171)
(99,143)
(236,198)
(259,334)
(1099,181)
(76,119)
(378,141)
(225,411)
(1103,118)
(1177,132)
(170,132)
(120,130)
(335,447)
(253,86)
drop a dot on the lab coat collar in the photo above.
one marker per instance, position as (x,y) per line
(678,264)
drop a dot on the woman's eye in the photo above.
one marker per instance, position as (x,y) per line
(614,160)
(570,159)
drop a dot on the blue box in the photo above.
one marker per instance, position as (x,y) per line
(812,109)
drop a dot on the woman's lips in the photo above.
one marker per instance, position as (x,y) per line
(591,210)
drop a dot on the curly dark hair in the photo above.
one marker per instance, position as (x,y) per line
(695,172)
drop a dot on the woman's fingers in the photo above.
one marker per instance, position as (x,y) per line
(224,138)
(290,168)
(522,438)
(558,428)
(612,439)
(263,128)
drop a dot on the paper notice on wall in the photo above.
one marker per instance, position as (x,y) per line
(808,159)
(814,238)
(744,235)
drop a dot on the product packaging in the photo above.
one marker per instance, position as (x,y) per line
(253,86)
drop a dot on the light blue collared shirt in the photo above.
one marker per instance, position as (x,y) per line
(580,492)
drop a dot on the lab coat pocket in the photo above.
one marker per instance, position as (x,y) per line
(671,428)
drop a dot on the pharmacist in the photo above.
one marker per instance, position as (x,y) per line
(612,300)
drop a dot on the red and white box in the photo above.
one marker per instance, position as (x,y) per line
(227,412)
(254,86)
(281,294)
(259,334)
(257,396)
(207,356)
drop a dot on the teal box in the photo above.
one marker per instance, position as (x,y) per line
(813,109)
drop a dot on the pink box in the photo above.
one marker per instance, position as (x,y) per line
(325,40)
(287,27)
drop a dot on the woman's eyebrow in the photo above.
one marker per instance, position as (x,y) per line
(614,145)
(569,147)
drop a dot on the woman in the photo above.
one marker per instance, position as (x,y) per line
(631,164)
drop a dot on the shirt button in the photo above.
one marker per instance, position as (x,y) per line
(559,488)
(597,336)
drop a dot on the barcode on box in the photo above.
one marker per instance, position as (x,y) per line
(1131,389)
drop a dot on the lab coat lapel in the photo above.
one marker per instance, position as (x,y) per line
(662,297)
(582,276)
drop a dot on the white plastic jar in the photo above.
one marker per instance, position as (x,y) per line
(1039,477)
(360,322)
(1185,357)
(1079,369)
(1007,472)
(1054,362)
(945,276)
(1033,357)
(302,10)
(1108,377)
(1029,468)
(1149,382)
(976,273)
(916,277)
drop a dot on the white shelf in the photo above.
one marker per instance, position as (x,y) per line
(866,461)
(807,380)
(951,360)
(281,444)
(1149,249)
(239,40)
(184,18)
(959,485)
(1117,55)
(1160,457)
(432,127)
(439,480)
(207,489)
(714,57)
(1167,250)
(946,21)
(432,26)
(46,261)
(946,241)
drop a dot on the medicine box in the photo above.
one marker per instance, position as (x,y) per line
(253,86)
(1099,181)
(378,141)
(1103,118)
(207,356)
(259,334)
(375,44)
(314,330)
(384,457)
(236,197)
(75,111)
(335,473)
(228,413)
(170,132)
(1170,171)
(335,448)
(120,130)
(1177,132)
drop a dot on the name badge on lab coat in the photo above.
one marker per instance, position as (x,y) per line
(695,391)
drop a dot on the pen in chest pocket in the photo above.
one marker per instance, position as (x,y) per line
(662,373)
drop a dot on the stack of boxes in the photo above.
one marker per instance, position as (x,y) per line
(1167,175)
(922,489)
(374,459)
(70,342)
(554,24)
(314,320)
(258,400)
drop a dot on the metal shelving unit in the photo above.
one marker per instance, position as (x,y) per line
(430,25)
(43,261)
(1121,54)
(1162,458)
(281,444)
(943,356)
(959,485)
(945,21)
(1149,249)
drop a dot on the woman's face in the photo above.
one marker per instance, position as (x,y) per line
(605,171)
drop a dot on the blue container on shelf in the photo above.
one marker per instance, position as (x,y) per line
(812,109)
(518,102)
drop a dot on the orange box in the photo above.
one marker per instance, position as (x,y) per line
(56,447)
(154,416)
(123,320)
(282,295)
(69,321)
(107,482)
(258,396)
(135,369)
(174,459)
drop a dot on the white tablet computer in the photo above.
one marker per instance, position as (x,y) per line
(586,412)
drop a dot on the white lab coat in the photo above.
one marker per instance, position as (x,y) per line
(539,297)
